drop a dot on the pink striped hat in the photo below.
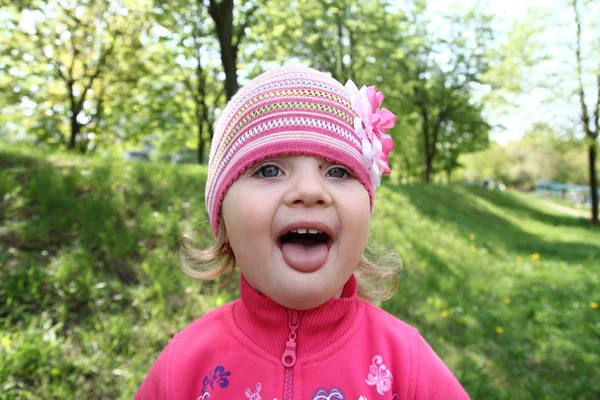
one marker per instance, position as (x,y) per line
(286,111)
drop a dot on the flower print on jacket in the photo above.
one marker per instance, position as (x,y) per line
(370,126)
(380,376)
(217,376)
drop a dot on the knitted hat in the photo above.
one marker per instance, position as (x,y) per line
(286,111)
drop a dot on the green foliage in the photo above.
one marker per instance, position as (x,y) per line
(121,72)
(88,265)
(541,154)
(68,61)
(504,289)
(332,36)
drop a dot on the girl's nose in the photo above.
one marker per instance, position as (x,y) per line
(308,187)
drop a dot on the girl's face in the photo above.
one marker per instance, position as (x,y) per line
(298,227)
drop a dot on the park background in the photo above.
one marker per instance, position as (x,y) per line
(107,108)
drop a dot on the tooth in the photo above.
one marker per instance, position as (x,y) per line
(294,231)
(313,231)
(301,230)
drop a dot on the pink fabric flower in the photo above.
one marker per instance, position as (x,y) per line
(370,126)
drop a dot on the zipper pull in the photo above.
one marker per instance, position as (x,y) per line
(289,355)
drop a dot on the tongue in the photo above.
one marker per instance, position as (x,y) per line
(305,258)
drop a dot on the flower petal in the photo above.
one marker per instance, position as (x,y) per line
(387,119)
(379,97)
(351,87)
(368,153)
(372,96)
(359,128)
(387,143)
(370,124)
(375,176)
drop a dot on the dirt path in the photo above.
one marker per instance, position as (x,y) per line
(568,210)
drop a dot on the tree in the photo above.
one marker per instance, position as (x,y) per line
(465,132)
(190,35)
(589,116)
(333,36)
(75,46)
(230,32)
(442,70)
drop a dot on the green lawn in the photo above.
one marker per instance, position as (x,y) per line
(504,288)
(574,206)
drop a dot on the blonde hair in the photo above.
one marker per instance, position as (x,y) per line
(376,282)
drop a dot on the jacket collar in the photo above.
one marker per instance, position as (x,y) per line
(266,323)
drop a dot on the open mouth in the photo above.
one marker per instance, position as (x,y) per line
(305,237)
(305,249)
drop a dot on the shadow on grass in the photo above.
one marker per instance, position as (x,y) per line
(530,343)
(478,211)
(52,209)
(531,348)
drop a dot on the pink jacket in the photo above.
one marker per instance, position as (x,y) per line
(253,348)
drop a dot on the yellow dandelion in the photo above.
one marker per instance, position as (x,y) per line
(500,329)
(593,304)
(444,314)
(472,237)
(535,256)
(519,258)
(507,300)
(473,249)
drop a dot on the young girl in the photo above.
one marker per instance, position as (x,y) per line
(290,191)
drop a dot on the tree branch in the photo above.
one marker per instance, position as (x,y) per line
(97,72)
(436,130)
(597,111)
(189,85)
(585,119)
(38,42)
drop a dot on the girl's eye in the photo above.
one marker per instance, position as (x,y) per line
(338,172)
(268,171)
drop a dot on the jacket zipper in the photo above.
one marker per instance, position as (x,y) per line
(289,355)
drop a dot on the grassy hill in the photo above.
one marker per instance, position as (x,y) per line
(504,288)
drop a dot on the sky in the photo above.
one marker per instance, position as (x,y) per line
(533,106)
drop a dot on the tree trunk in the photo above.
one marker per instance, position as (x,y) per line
(230,66)
(201,144)
(200,126)
(74,132)
(593,181)
(73,124)
(428,167)
(222,15)
(426,140)
(203,117)
(585,118)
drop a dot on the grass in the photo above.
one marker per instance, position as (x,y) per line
(561,202)
(505,289)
